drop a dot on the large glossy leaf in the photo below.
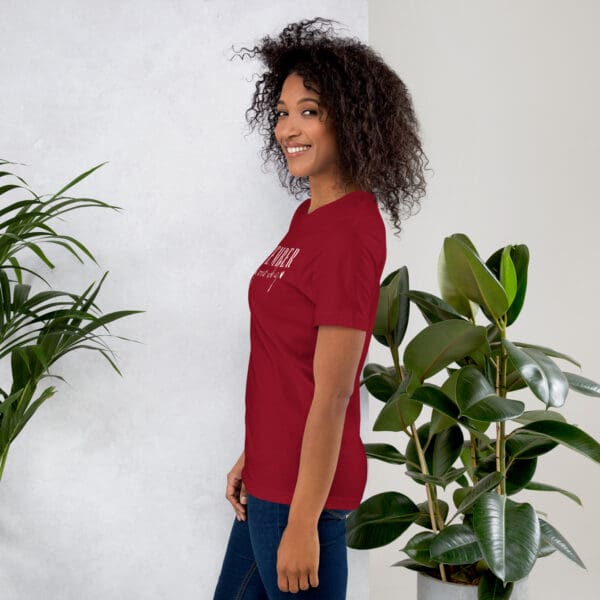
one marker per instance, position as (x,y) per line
(518,473)
(433,396)
(456,545)
(508,275)
(526,444)
(548,352)
(473,279)
(544,487)
(379,520)
(494,409)
(508,534)
(432,308)
(409,563)
(554,537)
(399,412)
(492,588)
(440,344)
(520,257)
(417,548)
(476,398)
(379,381)
(441,452)
(530,416)
(541,374)
(393,309)
(424,520)
(450,292)
(450,476)
(484,485)
(567,435)
(583,385)
(384,452)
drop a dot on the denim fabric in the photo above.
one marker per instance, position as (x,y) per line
(249,570)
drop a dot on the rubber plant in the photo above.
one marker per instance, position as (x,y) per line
(475,437)
(38,328)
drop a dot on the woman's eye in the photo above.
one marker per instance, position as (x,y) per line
(278,113)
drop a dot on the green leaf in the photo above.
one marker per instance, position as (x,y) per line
(379,381)
(473,279)
(525,444)
(434,397)
(76,180)
(508,275)
(518,474)
(441,453)
(553,536)
(495,409)
(544,487)
(488,483)
(508,534)
(541,374)
(384,452)
(440,344)
(424,519)
(393,309)
(417,548)
(567,435)
(548,352)
(441,480)
(539,415)
(492,588)
(582,384)
(379,520)
(432,308)
(519,255)
(456,545)
(409,563)
(399,412)
(450,292)
(476,399)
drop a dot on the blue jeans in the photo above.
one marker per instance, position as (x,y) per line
(249,570)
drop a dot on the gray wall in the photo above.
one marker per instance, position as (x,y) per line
(115,489)
(508,96)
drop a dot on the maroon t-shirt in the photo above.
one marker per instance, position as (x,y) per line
(325,271)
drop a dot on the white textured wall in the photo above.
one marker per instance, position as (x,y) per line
(115,489)
(508,96)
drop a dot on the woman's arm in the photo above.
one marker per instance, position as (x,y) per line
(337,354)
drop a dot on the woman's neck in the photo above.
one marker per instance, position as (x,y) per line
(327,191)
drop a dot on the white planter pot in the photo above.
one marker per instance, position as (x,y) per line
(429,588)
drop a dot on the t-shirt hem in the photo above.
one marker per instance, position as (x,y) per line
(342,320)
(270,495)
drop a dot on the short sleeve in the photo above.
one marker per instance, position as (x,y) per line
(346,280)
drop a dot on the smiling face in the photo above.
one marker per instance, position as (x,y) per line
(305,132)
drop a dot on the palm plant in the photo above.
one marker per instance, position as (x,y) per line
(488,539)
(37,329)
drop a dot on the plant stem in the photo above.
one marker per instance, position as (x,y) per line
(396,358)
(501,391)
(473,458)
(431,495)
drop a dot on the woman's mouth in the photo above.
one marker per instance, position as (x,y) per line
(296,150)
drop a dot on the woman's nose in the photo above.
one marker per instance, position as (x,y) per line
(288,126)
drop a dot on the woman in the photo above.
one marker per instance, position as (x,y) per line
(339,124)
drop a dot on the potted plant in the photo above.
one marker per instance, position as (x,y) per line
(37,329)
(476,441)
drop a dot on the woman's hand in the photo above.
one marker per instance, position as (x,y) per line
(236,490)
(298,558)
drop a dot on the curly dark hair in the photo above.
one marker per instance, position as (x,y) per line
(376,128)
